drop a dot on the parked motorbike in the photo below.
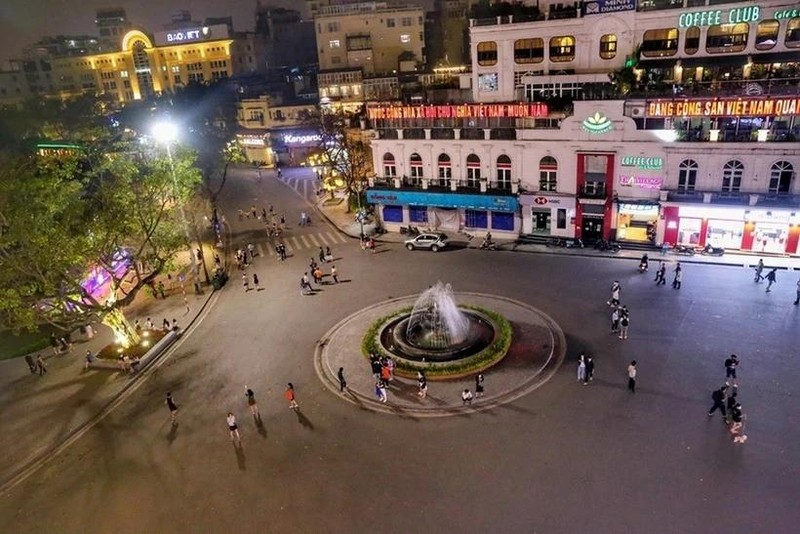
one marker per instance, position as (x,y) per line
(488,245)
(683,250)
(573,243)
(710,250)
(605,245)
(410,231)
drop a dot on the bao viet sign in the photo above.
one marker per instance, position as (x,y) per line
(642,162)
(723,107)
(599,7)
(714,17)
(643,182)
(459,111)
(191,35)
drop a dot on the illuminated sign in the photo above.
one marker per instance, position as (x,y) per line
(459,111)
(252,140)
(599,7)
(183,36)
(597,124)
(732,107)
(714,17)
(787,14)
(643,182)
(641,162)
(290,139)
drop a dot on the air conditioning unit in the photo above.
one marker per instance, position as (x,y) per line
(636,111)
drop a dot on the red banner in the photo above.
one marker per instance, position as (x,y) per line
(723,107)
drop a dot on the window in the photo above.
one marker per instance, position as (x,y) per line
(780,176)
(475,219)
(692,44)
(503,172)
(445,169)
(335,43)
(659,43)
(407,21)
(561,218)
(418,214)
(725,38)
(473,170)
(416,167)
(333,27)
(487,83)
(562,48)
(502,220)
(389,165)
(687,175)
(487,53)
(608,46)
(405,38)
(548,173)
(732,176)
(792,39)
(390,23)
(529,50)
(767,34)
(393,214)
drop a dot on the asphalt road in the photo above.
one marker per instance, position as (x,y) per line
(566,458)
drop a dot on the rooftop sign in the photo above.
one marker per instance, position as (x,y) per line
(600,7)
(723,107)
(459,111)
(191,35)
(712,17)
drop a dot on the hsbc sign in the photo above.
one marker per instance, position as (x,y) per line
(541,201)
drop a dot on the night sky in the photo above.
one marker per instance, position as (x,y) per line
(23,22)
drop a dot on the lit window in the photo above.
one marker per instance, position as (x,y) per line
(792,39)
(767,34)
(727,38)
(487,83)
(608,46)
(487,53)
(562,48)
(661,42)
(528,50)
(405,38)
(335,43)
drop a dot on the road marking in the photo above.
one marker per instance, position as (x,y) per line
(296,245)
(305,241)
(314,240)
(322,238)
(260,249)
(338,236)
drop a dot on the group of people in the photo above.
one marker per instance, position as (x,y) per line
(661,272)
(316,273)
(620,315)
(725,399)
(383,371)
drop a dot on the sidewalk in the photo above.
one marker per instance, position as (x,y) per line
(41,412)
(345,222)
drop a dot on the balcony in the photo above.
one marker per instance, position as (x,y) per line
(734,198)
(450,185)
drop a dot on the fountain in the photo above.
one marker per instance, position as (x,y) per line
(437,330)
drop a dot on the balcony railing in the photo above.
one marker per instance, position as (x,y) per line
(438,185)
(759,199)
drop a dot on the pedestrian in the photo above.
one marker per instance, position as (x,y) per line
(386,373)
(797,298)
(375,363)
(318,276)
(676,282)
(90,329)
(335,276)
(255,282)
(149,324)
(321,255)
(303,291)
(731,364)
(632,377)
(251,401)
(589,370)
(89,359)
(380,391)
(422,386)
(771,278)
(165,324)
(245,282)
(328,254)
(40,365)
(233,427)
(581,367)
(306,282)
(615,289)
(303,218)
(732,401)
(251,250)
(479,385)
(660,272)
(290,396)
(31,363)
(737,424)
(173,408)
(160,289)
(55,344)
(390,367)
(718,397)
(759,270)
(615,320)
(174,325)
(624,323)
(466,397)
(342,381)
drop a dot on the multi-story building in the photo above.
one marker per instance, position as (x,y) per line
(669,163)
(13,87)
(274,132)
(289,41)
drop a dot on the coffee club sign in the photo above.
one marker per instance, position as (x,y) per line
(714,17)
(643,162)
(642,182)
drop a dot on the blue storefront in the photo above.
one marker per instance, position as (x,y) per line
(455,212)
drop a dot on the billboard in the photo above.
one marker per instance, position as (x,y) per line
(600,7)
(723,107)
(459,111)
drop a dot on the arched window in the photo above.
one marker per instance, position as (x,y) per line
(445,169)
(416,167)
(687,175)
(389,166)
(780,177)
(562,48)
(473,171)
(767,34)
(608,46)
(732,176)
(503,172)
(548,173)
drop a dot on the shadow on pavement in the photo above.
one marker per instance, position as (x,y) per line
(303,420)
(241,461)
(172,435)
(262,430)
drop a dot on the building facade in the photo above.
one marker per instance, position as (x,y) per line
(276,133)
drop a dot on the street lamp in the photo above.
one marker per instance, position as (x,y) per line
(166,132)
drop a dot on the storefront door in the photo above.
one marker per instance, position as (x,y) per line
(771,237)
(541,222)
(592,228)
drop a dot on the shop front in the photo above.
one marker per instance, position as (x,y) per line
(548,214)
(255,144)
(637,221)
(775,231)
(293,146)
(453,212)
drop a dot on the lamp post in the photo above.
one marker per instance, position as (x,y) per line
(166,133)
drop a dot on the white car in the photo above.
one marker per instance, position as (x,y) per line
(426,240)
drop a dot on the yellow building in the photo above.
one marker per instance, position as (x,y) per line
(273,132)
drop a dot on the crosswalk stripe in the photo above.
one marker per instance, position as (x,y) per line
(295,245)
(305,241)
(260,249)
(271,251)
(314,240)
(305,188)
(342,238)
(322,238)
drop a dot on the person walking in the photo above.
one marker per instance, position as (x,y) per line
(321,255)
(290,396)
(759,270)
(233,428)
(632,376)
(466,397)
(676,281)
(256,283)
(771,278)
(245,282)
(173,408)
(251,401)
(342,381)
(328,254)
(731,364)
(589,370)
(335,275)
(422,386)
(797,298)
(660,273)
(624,323)
(479,385)
(581,367)
(615,289)
(732,401)
(737,424)
(40,365)
(718,397)
(380,391)
(615,320)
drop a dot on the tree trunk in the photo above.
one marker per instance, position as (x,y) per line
(124,334)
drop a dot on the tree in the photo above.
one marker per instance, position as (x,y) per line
(344,154)
(65,221)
